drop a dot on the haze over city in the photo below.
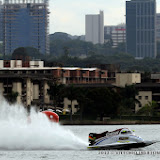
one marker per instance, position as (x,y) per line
(69,16)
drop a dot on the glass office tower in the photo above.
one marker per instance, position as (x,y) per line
(140,28)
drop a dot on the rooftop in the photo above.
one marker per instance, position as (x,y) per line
(24,1)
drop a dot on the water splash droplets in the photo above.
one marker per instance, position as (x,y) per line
(17,133)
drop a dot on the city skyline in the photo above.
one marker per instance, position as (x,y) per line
(114,13)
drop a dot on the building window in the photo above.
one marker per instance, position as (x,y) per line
(140,97)
(69,106)
(76,106)
(146,97)
(140,105)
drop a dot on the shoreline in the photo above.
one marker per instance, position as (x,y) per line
(120,122)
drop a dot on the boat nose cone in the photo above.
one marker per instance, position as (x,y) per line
(52,116)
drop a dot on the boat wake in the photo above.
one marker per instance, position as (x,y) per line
(17,132)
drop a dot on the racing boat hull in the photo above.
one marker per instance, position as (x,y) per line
(122,146)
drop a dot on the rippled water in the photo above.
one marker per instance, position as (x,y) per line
(148,132)
(39,139)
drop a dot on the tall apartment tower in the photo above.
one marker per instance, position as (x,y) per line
(140,28)
(116,34)
(25,24)
(158,27)
(95,28)
(1,21)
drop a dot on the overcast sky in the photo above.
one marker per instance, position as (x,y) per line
(69,15)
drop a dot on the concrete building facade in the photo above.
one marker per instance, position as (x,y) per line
(144,97)
(123,79)
(94,28)
(115,34)
(148,92)
(141,28)
(1,21)
(158,27)
(118,36)
(155,77)
(30,81)
(108,29)
(25,24)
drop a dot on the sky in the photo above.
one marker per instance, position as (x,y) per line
(69,15)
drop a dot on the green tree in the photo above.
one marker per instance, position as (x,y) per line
(71,93)
(100,103)
(121,47)
(129,100)
(56,93)
(24,52)
(19,53)
(149,109)
(66,51)
(82,100)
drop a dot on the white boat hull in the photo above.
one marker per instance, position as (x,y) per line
(125,146)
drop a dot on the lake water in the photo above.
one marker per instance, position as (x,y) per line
(39,139)
(66,152)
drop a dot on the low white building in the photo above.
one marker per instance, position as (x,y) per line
(144,97)
(123,79)
(20,64)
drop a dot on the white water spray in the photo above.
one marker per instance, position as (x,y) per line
(17,133)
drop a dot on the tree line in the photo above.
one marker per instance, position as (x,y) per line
(126,61)
(65,51)
(101,102)
(97,102)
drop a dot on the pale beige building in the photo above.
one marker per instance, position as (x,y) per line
(17,87)
(144,98)
(20,64)
(67,105)
(30,80)
(123,79)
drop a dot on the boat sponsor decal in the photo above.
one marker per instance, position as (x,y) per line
(123,138)
(123,141)
(92,138)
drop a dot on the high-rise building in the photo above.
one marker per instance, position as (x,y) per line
(116,34)
(140,28)
(25,24)
(95,28)
(158,27)
(108,29)
(1,21)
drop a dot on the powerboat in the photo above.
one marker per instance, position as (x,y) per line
(119,139)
